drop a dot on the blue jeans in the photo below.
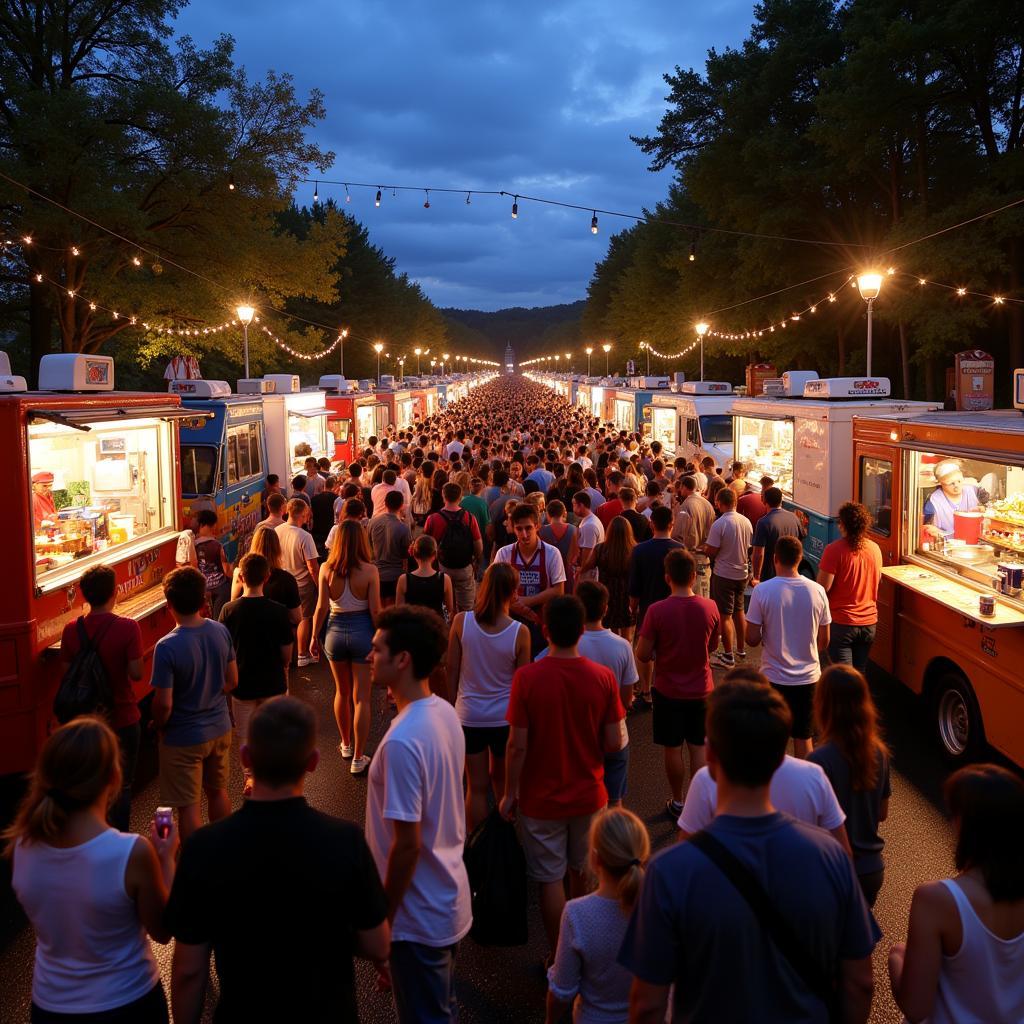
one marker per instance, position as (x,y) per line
(616,773)
(423,983)
(850,645)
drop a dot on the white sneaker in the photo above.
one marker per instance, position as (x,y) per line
(305,659)
(359,765)
(345,749)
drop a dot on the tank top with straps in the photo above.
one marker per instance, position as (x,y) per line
(347,603)
(425,591)
(485,676)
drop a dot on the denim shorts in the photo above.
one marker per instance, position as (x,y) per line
(616,773)
(349,635)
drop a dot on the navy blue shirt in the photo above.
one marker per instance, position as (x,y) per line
(692,927)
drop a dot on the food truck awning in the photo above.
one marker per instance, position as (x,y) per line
(310,414)
(80,418)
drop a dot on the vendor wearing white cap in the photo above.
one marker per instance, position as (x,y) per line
(952,495)
(42,498)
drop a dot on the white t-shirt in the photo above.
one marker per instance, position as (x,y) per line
(591,531)
(731,534)
(789,610)
(416,775)
(552,561)
(453,447)
(800,788)
(297,548)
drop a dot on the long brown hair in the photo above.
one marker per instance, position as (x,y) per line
(846,715)
(855,520)
(498,587)
(266,542)
(620,841)
(350,549)
(78,762)
(617,546)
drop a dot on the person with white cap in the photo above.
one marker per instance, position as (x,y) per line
(952,495)
(42,498)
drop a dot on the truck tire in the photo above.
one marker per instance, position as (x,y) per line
(958,727)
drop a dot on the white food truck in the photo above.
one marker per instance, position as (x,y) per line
(694,420)
(296,426)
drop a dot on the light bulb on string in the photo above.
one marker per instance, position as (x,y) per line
(515,207)
(348,198)
(426,202)
(316,192)
(376,201)
(231,182)
(693,251)
(593,223)
(468,194)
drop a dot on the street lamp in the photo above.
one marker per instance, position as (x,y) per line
(607,348)
(418,352)
(444,359)
(590,351)
(870,284)
(401,370)
(378,348)
(701,329)
(433,363)
(644,345)
(245,315)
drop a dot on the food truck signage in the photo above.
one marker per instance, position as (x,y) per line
(974,377)
(848,387)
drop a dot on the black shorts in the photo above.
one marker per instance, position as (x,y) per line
(801,706)
(727,594)
(676,722)
(481,738)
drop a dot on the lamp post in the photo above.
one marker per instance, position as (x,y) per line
(568,363)
(378,348)
(433,363)
(870,284)
(418,352)
(245,315)
(701,329)
(644,345)
(444,359)
(401,370)
(607,348)
(341,353)
(590,351)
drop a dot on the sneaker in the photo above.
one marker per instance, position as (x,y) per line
(345,749)
(359,765)
(724,660)
(304,660)
(672,809)
(741,655)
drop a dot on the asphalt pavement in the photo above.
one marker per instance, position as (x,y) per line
(507,985)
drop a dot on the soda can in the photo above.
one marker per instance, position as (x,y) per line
(163,818)
(986,605)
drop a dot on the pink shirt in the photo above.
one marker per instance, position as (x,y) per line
(683,630)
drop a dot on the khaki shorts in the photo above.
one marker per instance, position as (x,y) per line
(186,771)
(553,845)
(307,599)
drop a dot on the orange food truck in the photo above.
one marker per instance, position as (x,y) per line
(97,471)
(946,495)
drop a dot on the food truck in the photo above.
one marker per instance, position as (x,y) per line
(296,426)
(409,409)
(339,396)
(223,458)
(630,406)
(98,473)
(374,411)
(694,421)
(432,398)
(946,496)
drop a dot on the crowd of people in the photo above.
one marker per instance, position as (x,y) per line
(518,579)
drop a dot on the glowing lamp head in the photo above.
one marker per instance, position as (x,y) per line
(245,314)
(417,351)
(378,348)
(701,328)
(606,348)
(589,350)
(870,284)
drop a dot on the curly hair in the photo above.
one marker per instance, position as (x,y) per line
(855,520)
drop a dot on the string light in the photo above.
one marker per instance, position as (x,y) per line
(426,202)
(316,192)
(348,198)
(693,251)
(593,224)
(231,182)
(468,194)
(376,201)
(515,207)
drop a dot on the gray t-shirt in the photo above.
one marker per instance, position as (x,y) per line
(390,539)
(731,534)
(779,522)
(862,807)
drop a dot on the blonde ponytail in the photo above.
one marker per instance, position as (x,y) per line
(620,842)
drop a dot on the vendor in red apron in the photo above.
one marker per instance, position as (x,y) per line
(540,568)
(951,496)
(42,498)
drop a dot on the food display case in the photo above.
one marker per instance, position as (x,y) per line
(765,445)
(296,426)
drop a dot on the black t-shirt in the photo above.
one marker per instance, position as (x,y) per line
(323,513)
(641,527)
(280,891)
(259,628)
(647,572)
(282,588)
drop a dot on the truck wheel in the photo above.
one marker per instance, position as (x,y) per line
(958,725)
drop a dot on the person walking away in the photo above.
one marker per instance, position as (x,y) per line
(118,642)
(276,511)
(280,585)
(850,571)
(459,544)
(694,515)
(283,895)
(389,541)
(854,757)
(727,546)
(562,535)
(603,647)
(637,520)
(585,969)
(299,557)
(612,505)
(271,485)
(610,559)
(474,504)
(92,893)
(590,533)
(679,633)
(775,523)
(540,568)
(416,819)
(789,615)
(211,562)
(686,892)
(193,671)
(349,590)
(752,503)
(647,581)
(322,513)
(565,715)
(262,637)
(485,647)
(964,955)
(426,587)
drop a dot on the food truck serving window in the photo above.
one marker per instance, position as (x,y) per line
(243,452)
(967,516)
(766,446)
(663,424)
(876,492)
(198,469)
(94,492)
(307,435)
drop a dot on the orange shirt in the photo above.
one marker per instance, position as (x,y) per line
(854,592)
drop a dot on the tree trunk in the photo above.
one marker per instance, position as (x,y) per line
(40,327)
(905,360)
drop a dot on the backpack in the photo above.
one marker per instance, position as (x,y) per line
(85,687)
(455,549)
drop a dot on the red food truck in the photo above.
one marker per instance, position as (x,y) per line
(97,471)
(339,395)
(374,412)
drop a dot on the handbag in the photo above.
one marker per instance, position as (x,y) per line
(779,929)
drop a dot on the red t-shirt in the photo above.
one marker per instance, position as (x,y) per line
(120,642)
(437,524)
(565,703)
(853,596)
(608,511)
(752,506)
(683,630)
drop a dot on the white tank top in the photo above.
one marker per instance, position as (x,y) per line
(485,678)
(983,983)
(92,953)
(348,602)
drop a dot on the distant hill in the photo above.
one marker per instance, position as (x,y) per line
(536,329)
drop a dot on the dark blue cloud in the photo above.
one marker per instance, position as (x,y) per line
(537,98)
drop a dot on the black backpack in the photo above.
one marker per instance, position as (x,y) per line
(85,688)
(455,549)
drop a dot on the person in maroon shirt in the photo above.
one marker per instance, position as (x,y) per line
(613,506)
(119,643)
(752,503)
